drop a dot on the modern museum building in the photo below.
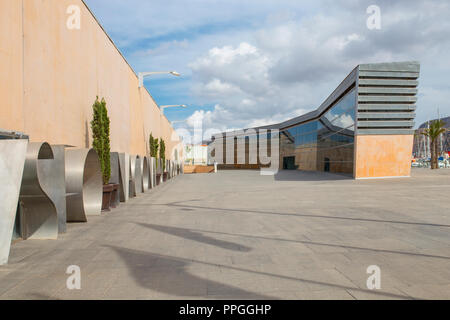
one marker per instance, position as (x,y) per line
(363,129)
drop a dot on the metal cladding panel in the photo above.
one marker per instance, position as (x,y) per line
(390,107)
(387,93)
(387,75)
(387,82)
(388,115)
(406,66)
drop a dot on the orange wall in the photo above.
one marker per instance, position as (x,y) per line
(11,71)
(64,70)
(383,156)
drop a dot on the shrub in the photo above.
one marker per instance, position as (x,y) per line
(162,152)
(153,143)
(100,134)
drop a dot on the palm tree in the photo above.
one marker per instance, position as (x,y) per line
(435,129)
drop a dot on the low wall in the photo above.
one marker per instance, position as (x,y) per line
(198,169)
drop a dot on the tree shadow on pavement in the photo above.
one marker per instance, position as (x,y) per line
(169,275)
(298,175)
(196,236)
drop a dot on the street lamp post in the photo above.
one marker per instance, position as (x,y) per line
(141,75)
(171,106)
(177,121)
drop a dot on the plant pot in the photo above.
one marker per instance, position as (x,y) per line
(158,178)
(115,198)
(106,199)
(165,175)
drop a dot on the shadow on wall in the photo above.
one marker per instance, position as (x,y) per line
(86,134)
(297,175)
(168,275)
(196,236)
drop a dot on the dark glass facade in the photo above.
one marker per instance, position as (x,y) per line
(325,144)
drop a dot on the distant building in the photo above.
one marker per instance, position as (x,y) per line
(364,128)
(196,154)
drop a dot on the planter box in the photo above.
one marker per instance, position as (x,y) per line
(165,176)
(107,194)
(115,196)
(158,178)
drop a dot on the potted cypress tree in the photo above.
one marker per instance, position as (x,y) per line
(154,146)
(162,155)
(101,144)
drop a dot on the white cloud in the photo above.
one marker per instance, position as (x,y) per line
(263,61)
(291,66)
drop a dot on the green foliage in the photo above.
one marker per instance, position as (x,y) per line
(435,129)
(162,152)
(100,134)
(154,146)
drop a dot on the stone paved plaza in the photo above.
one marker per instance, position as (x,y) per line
(239,235)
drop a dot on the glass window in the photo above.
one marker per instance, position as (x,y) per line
(292,131)
(342,114)
(325,144)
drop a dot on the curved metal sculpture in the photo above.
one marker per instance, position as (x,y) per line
(84,185)
(55,173)
(145,174)
(138,175)
(39,218)
(169,169)
(152,167)
(132,176)
(172,168)
(124,169)
(159,171)
(115,178)
(12,160)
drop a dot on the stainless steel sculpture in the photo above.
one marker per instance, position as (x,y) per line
(39,218)
(115,177)
(84,185)
(12,160)
(54,171)
(132,176)
(169,169)
(159,170)
(145,174)
(138,175)
(172,169)
(152,172)
(124,184)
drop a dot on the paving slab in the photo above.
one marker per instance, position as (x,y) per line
(239,235)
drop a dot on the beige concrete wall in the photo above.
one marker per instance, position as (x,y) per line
(64,70)
(11,67)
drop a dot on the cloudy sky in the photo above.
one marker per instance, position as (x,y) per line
(248,63)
